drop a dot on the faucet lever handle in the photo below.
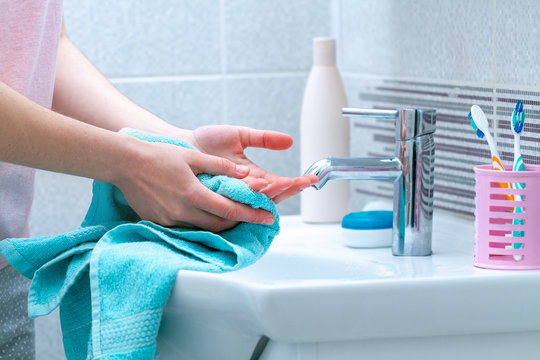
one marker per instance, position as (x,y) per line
(410,123)
(371,113)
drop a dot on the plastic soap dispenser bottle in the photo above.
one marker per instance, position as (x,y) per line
(324,132)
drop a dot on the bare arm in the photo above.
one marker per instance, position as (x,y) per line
(158,180)
(37,137)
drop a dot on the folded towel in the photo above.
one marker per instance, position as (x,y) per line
(112,276)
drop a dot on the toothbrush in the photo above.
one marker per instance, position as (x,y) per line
(518,120)
(480,124)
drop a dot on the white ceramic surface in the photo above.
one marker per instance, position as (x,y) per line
(310,288)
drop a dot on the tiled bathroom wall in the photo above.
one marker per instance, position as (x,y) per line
(446,55)
(245,62)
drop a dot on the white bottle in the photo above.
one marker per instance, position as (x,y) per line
(324,132)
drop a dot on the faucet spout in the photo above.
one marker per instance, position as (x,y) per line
(354,169)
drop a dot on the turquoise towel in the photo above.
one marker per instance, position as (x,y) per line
(112,276)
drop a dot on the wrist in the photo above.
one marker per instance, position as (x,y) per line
(187,135)
(126,158)
(183,134)
(170,130)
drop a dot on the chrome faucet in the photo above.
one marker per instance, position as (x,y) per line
(412,169)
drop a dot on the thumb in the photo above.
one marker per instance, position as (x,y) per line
(267,139)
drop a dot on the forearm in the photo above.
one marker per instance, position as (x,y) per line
(37,137)
(83,93)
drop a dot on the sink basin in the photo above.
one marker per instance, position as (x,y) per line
(292,267)
(311,290)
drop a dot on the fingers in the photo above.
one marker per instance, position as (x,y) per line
(256,184)
(215,165)
(228,209)
(266,139)
(277,186)
(281,188)
(299,184)
(206,221)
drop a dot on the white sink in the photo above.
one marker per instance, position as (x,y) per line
(310,297)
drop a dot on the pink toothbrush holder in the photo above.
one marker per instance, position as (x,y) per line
(507,218)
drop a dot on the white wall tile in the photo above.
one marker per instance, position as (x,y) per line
(270,36)
(518,42)
(60,203)
(187,104)
(446,39)
(142,38)
(49,345)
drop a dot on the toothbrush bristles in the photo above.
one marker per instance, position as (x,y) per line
(479,133)
(518,117)
(473,124)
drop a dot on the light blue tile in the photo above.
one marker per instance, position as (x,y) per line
(518,42)
(142,38)
(264,36)
(49,345)
(530,136)
(361,139)
(186,104)
(450,40)
(291,206)
(60,203)
(270,103)
(354,85)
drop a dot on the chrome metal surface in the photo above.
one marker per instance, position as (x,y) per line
(354,169)
(411,123)
(412,170)
(372,113)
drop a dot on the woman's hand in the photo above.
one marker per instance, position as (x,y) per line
(160,184)
(229,142)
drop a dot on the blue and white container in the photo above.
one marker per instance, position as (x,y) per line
(367,229)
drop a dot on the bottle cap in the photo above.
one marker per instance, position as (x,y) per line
(367,229)
(368,220)
(324,51)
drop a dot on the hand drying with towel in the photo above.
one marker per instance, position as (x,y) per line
(112,276)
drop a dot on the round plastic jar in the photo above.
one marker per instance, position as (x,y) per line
(367,229)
